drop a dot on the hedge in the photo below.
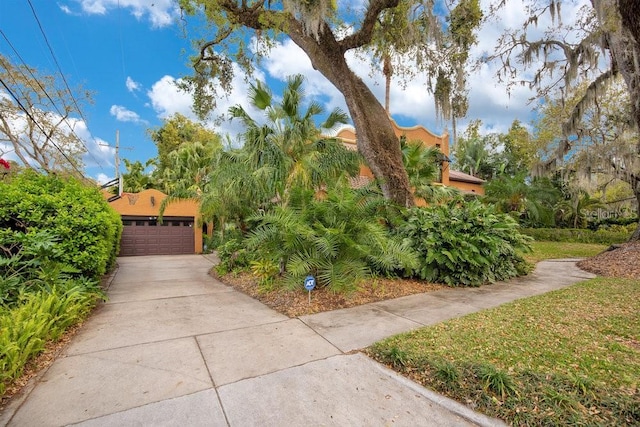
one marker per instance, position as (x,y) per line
(87,228)
(577,235)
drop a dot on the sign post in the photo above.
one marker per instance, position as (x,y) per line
(309,284)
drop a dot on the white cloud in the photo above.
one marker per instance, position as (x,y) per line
(132,85)
(167,100)
(99,153)
(123,114)
(160,13)
(489,99)
(66,9)
(102,178)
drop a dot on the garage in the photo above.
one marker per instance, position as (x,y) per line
(147,236)
(143,234)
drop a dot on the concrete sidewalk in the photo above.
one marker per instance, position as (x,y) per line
(174,347)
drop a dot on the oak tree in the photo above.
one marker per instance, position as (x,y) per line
(569,53)
(409,33)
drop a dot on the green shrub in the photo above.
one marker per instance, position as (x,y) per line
(40,317)
(233,256)
(578,235)
(464,243)
(87,228)
(340,240)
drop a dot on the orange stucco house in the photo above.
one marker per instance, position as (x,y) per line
(462,181)
(143,234)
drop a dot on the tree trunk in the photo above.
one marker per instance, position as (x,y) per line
(635,237)
(376,139)
(625,55)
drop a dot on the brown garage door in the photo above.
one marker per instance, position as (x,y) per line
(145,236)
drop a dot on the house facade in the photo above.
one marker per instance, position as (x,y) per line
(144,234)
(460,180)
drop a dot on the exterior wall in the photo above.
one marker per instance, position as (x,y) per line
(429,139)
(147,203)
(468,187)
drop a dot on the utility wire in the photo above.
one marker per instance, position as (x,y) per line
(44,132)
(55,60)
(75,102)
(35,78)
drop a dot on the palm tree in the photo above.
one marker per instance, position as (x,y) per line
(530,203)
(340,239)
(422,165)
(234,191)
(188,169)
(135,179)
(187,172)
(572,211)
(289,150)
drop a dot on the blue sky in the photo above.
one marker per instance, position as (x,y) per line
(129,53)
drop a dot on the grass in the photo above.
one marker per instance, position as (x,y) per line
(551,250)
(569,357)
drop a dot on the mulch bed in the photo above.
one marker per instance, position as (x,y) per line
(296,303)
(620,261)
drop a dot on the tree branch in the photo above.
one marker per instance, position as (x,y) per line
(365,33)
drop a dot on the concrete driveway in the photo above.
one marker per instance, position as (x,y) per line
(174,347)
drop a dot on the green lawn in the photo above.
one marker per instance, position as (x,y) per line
(569,357)
(549,250)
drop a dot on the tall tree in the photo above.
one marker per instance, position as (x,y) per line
(289,150)
(474,153)
(326,34)
(603,147)
(137,178)
(175,132)
(520,150)
(571,53)
(37,126)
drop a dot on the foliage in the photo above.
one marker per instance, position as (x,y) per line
(46,139)
(188,169)
(475,154)
(178,131)
(136,178)
(413,35)
(611,222)
(572,211)
(233,256)
(32,267)
(598,101)
(340,239)
(39,317)
(289,150)
(577,235)
(282,155)
(86,228)
(464,243)
(536,361)
(233,193)
(423,166)
(533,204)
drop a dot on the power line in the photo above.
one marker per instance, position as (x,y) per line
(35,78)
(55,60)
(22,107)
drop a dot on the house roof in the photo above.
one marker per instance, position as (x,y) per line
(464,177)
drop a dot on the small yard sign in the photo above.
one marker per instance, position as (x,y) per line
(309,284)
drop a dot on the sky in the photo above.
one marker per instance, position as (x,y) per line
(129,53)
